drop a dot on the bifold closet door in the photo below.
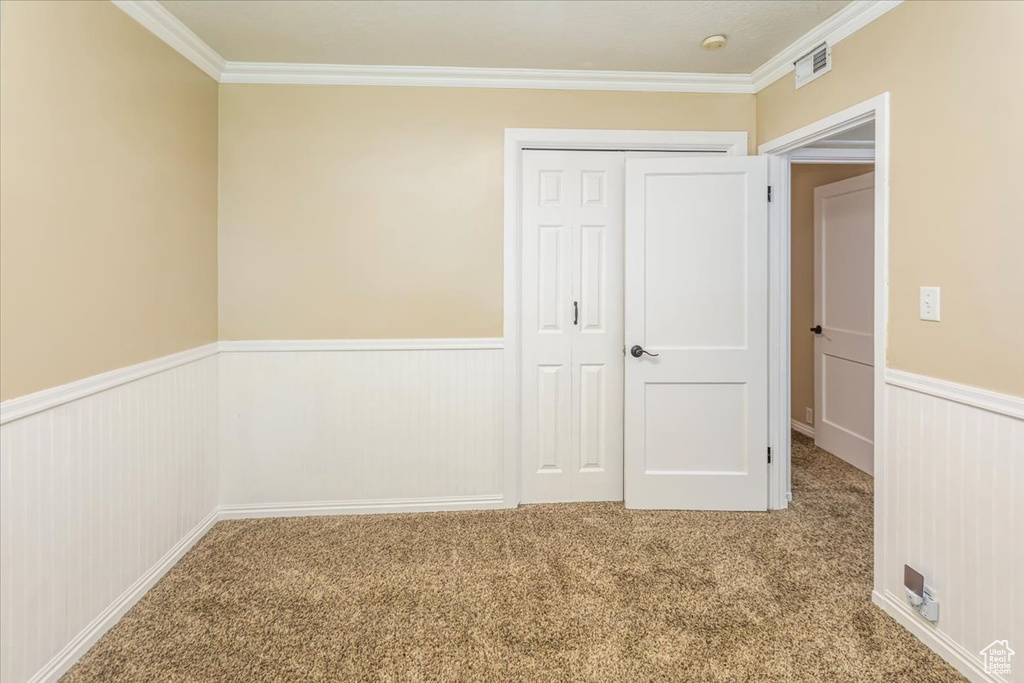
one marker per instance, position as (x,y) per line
(572,362)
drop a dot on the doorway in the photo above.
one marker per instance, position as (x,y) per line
(781,153)
(832,249)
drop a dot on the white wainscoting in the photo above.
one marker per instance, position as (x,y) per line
(954,497)
(361,426)
(103,485)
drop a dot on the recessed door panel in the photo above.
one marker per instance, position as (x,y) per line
(703,244)
(593,278)
(593,418)
(707,441)
(551,280)
(552,418)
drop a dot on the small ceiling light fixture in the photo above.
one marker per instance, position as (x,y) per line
(713,42)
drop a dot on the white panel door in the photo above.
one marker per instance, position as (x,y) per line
(844,256)
(696,413)
(572,205)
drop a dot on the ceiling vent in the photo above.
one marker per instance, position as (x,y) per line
(817,62)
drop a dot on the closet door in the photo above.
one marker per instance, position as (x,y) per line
(572,217)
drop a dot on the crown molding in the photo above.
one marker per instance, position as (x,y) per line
(467,77)
(840,25)
(152,15)
(168,28)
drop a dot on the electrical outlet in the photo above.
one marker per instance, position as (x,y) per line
(809,415)
(930,303)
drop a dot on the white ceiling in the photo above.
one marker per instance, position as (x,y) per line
(637,35)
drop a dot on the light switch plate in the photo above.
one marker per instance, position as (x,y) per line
(930,303)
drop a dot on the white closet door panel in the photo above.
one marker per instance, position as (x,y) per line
(547,321)
(572,213)
(597,341)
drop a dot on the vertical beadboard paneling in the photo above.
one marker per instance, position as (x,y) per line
(954,513)
(94,493)
(351,427)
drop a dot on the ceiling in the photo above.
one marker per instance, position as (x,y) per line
(637,35)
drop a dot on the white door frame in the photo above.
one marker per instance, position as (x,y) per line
(516,140)
(780,155)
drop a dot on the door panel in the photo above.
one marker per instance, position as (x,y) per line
(708,272)
(572,355)
(844,218)
(696,415)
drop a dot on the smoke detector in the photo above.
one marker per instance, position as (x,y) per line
(713,42)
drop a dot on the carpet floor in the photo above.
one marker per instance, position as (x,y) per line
(577,592)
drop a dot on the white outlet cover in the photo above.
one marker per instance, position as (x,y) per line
(929,304)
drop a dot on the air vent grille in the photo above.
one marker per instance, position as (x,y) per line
(815,63)
(820,60)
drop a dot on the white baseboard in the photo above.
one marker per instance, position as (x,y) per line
(937,641)
(362,507)
(804,429)
(81,643)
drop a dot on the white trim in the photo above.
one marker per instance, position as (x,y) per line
(362,507)
(172,31)
(840,25)
(1003,404)
(734,143)
(876,109)
(163,24)
(839,155)
(516,139)
(359,345)
(81,643)
(23,406)
(474,77)
(937,641)
(798,426)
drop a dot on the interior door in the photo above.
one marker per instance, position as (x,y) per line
(696,332)
(572,215)
(844,256)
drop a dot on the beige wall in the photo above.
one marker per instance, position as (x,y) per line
(806,177)
(108,196)
(955,72)
(375,212)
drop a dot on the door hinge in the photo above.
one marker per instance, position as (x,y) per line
(769,193)
(769,455)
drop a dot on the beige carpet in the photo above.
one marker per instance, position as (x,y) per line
(583,592)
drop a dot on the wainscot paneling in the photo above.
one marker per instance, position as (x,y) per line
(103,485)
(349,427)
(954,496)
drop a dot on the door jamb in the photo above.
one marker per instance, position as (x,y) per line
(516,140)
(780,152)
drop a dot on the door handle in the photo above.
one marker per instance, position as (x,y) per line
(816,329)
(575,312)
(638,351)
